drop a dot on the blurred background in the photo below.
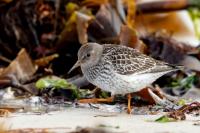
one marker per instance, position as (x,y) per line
(40,38)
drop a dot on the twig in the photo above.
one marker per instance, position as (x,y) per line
(5,59)
(163,102)
(180,113)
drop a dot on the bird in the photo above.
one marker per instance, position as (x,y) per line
(119,69)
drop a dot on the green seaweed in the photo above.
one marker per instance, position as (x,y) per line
(164,119)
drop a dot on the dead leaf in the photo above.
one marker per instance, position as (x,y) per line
(118,6)
(1,70)
(20,70)
(76,24)
(94,2)
(68,33)
(82,23)
(179,114)
(128,37)
(22,67)
(163,6)
(173,22)
(102,27)
(42,62)
(144,94)
(160,45)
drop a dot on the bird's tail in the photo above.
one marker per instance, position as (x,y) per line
(180,67)
(177,67)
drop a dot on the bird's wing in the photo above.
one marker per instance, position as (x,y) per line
(128,61)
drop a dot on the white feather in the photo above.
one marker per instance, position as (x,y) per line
(136,82)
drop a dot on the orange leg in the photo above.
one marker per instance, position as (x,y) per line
(96,100)
(129,103)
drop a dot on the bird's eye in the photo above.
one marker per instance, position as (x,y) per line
(88,55)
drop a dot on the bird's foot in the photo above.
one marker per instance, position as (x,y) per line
(129,110)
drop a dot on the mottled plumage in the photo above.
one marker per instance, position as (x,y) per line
(119,69)
(127,61)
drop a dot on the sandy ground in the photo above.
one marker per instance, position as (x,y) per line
(71,118)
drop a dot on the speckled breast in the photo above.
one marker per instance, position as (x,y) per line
(105,78)
(100,75)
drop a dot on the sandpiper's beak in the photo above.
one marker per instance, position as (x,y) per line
(77,64)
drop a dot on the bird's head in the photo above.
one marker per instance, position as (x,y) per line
(88,55)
